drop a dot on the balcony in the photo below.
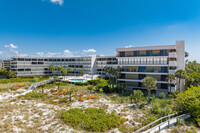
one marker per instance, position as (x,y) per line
(172,71)
(172,63)
(142,63)
(172,55)
(136,70)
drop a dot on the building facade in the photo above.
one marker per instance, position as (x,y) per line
(31,66)
(154,61)
(4,64)
(135,63)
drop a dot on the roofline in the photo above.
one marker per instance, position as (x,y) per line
(147,48)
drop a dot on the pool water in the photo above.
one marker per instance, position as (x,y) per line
(77,80)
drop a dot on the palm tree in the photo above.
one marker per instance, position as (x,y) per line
(59,68)
(116,73)
(186,54)
(64,71)
(180,74)
(70,69)
(51,68)
(81,71)
(170,78)
(150,84)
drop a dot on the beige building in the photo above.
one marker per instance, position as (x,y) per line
(154,61)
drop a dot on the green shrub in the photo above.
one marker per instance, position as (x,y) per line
(34,95)
(162,95)
(91,119)
(4,89)
(93,82)
(82,84)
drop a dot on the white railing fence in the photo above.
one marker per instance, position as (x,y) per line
(163,125)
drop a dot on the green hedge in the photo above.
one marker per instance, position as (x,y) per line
(91,119)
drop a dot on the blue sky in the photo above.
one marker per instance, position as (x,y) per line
(87,27)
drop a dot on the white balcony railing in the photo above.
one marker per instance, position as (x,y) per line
(172,63)
(172,71)
(172,55)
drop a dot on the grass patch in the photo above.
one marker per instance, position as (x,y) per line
(91,119)
(4,89)
(34,95)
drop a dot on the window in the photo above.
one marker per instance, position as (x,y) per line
(163,52)
(136,53)
(149,53)
(122,54)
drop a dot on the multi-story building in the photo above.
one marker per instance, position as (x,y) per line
(30,66)
(136,63)
(4,64)
(103,61)
(154,61)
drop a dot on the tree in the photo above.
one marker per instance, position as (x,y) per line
(150,84)
(137,95)
(122,86)
(191,67)
(116,73)
(108,70)
(180,74)
(131,97)
(59,68)
(70,69)
(186,54)
(11,74)
(58,84)
(90,88)
(42,87)
(170,78)
(101,83)
(81,71)
(192,79)
(64,71)
(51,68)
(70,94)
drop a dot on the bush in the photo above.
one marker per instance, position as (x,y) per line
(162,95)
(34,95)
(82,84)
(4,89)
(91,119)
(93,82)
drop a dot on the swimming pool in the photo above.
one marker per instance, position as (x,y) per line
(77,80)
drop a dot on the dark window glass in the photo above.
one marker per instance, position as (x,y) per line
(136,53)
(122,54)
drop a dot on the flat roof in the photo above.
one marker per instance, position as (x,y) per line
(147,48)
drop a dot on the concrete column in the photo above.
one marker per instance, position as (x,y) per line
(180,51)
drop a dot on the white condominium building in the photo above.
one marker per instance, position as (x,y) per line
(136,63)
(154,61)
(30,66)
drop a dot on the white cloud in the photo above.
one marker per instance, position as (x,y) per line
(12,46)
(23,55)
(60,2)
(1,52)
(40,53)
(129,46)
(89,51)
(50,54)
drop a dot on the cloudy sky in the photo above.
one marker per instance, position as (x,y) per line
(88,27)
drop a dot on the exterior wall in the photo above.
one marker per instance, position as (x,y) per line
(4,63)
(158,62)
(30,66)
(153,59)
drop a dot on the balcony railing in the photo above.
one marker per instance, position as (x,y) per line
(146,70)
(143,62)
(141,55)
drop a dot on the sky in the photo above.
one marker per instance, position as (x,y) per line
(96,27)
